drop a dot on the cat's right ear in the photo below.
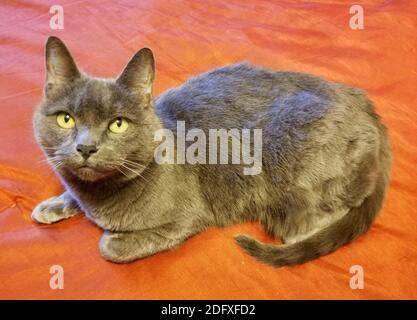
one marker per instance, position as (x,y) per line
(139,73)
(60,66)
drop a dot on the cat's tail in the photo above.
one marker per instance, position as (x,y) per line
(351,225)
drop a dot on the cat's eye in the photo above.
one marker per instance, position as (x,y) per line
(119,125)
(65,121)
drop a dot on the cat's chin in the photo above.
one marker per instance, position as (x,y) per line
(89,174)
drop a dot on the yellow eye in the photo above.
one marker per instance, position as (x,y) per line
(65,121)
(119,125)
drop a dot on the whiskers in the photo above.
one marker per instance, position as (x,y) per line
(55,161)
(49,148)
(125,166)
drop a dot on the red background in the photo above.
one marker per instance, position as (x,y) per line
(189,37)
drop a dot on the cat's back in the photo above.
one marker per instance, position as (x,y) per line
(238,96)
(246,96)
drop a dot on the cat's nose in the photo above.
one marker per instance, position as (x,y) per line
(86,150)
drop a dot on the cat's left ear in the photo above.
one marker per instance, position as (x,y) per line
(60,66)
(139,73)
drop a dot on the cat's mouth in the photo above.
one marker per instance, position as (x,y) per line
(86,169)
(89,173)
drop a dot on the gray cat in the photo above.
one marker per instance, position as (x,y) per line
(325,158)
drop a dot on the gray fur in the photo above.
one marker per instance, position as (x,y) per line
(326,158)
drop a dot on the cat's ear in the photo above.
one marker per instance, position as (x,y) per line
(60,66)
(139,73)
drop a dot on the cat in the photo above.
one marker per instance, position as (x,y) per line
(325,159)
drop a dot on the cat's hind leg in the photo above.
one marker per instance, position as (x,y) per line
(315,224)
(55,209)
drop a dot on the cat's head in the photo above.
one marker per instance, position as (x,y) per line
(95,128)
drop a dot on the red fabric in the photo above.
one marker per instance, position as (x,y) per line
(189,37)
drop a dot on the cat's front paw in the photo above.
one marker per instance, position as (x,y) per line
(53,210)
(116,247)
